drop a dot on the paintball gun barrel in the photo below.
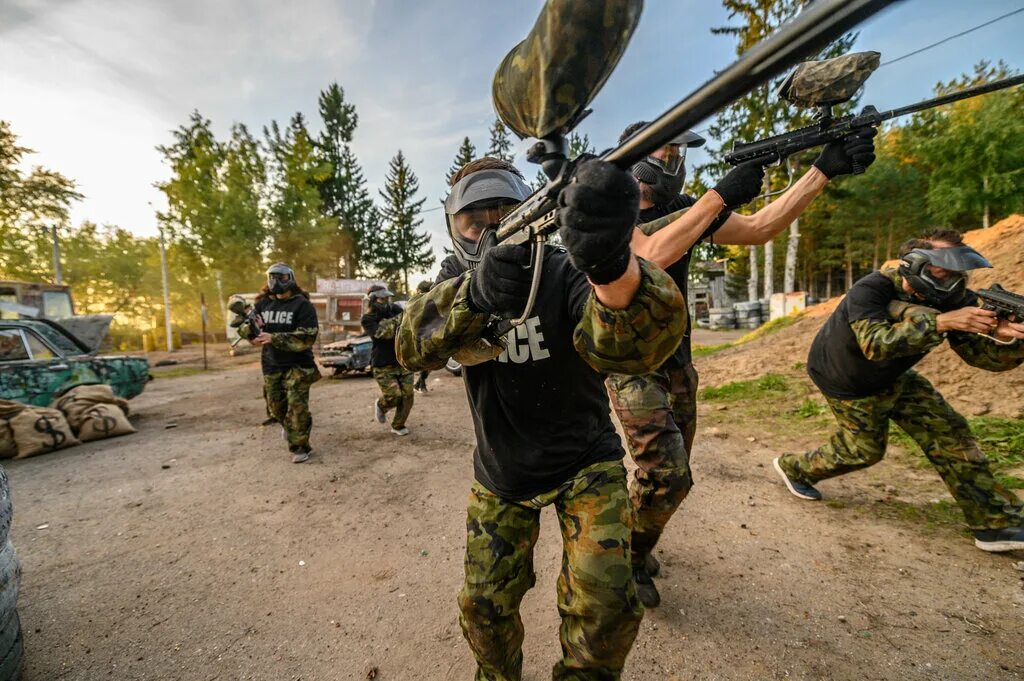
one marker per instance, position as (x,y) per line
(779,147)
(244,314)
(1006,305)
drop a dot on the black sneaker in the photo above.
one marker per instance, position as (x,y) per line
(798,489)
(652,565)
(1005,539)
(269,421)
(645,589)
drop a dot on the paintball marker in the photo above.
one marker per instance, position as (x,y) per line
(244,314)
(833,81)
(1006,305)
(543,86)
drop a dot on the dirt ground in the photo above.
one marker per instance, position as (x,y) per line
(194,550)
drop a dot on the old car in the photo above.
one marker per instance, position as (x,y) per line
(347,356)
(40,359)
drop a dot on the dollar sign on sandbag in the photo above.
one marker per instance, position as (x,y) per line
(101,421)
(44,426)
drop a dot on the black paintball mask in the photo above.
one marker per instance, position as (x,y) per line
(666,176)
(474,208)
(280,278)
(379,295)
(947,292)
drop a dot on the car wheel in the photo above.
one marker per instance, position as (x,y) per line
(6,509)
(10,580)
(11,650)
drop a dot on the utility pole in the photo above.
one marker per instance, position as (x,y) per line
(167,294)
(58,276)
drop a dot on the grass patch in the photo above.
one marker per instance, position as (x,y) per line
(177,372)
(1002,441)
(705,350)
(809,409)
(742,390)
(769,328)
(943,513)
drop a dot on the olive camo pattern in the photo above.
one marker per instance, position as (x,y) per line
(830,81)
(287,396)
(658,413)
(545,81)
(395,392)
(439,324)
(942,433)
(596,594)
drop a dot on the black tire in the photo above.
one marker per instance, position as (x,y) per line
(10,582)
(6,510)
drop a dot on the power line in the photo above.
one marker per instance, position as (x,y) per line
(946,40)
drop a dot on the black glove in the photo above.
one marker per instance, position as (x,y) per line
(742,184)
(500,284)
(596,214)
(837,158)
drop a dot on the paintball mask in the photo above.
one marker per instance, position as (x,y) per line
(474,208)
(949,290)
(378,295)
(666,175)
(280,278)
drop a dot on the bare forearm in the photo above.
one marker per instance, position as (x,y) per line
(671,242)
(618,294)
(765,224)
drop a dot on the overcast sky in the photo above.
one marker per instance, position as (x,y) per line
(94,85)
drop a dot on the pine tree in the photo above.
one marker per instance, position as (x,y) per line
(399,248)
(465,154)
(343,192)
(580,144)
(501,142)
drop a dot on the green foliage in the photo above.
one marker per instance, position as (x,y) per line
(705,350)
(1001,439)
(810,408)
(465,154)
(744,390)
(580,144)
(398,247)
(501,142)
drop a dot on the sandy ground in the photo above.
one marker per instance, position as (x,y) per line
(200,552)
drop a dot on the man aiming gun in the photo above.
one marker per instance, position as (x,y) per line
(862,361)
(658,410)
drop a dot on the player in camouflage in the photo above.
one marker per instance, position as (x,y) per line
(658,411)
(861,360)
(544,433)
(285,326)
(421,377)
(380,323)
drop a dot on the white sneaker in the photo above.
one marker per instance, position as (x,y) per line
(400,431)
(378,412)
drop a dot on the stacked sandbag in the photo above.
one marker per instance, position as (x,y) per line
(8,410)
(39,430)
(11,649)
(94,412)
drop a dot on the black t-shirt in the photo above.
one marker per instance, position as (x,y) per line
(539,411)
(284,316)
(680,269)
(383,353)
(837,364)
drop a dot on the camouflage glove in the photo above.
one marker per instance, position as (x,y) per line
(741,185)
(837,158)
(901,310)
(500,284)
(596,214)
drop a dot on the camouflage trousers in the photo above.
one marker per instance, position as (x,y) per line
(596,595)
(287,397)
(942,433)
(658,412)
(395,392)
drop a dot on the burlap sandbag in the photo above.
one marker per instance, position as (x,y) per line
(80,399)
(38,430)
(103,421)
(8,410)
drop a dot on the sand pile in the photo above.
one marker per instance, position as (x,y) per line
(973,391)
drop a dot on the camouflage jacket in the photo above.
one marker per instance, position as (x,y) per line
(636,340)
(914,330)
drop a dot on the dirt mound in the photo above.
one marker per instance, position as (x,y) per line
(973,391)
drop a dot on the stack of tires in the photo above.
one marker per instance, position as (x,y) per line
(10,580)
(721,318)
(766,310)
(748,315)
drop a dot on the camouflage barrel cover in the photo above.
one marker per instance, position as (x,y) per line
(830,81)
(546,81)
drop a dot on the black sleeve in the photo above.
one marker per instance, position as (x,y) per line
(869,299)
(578,290)
(450,268)
(305,316)
(370,323)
